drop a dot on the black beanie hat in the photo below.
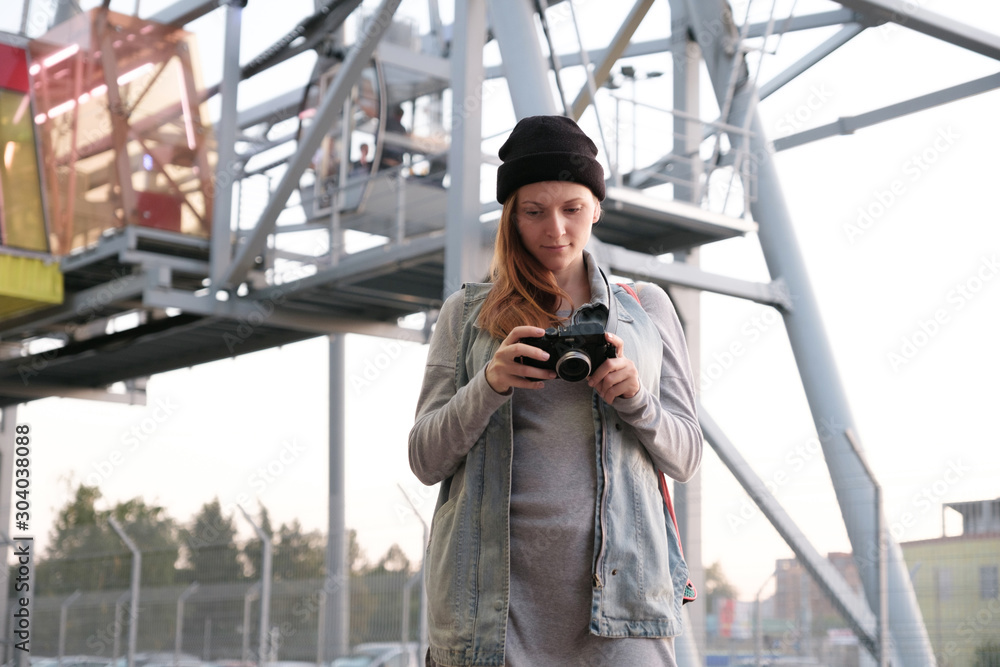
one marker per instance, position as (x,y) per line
(548,148)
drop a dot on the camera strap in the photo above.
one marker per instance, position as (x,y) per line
(612,324)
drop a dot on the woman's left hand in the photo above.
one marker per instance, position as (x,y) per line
(617,376)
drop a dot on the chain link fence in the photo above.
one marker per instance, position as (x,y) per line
(82,608)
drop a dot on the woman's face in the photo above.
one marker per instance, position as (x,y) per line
(554,220)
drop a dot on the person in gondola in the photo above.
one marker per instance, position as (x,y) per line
(392,153)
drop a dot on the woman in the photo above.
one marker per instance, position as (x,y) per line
(550,544)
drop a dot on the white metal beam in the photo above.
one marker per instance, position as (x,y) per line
(526,69)
(39,391)
(852,607)
(464,259)
(222,202)
(849,124)
(183,12)
(658,46)
(250,310)
(640,266)
(272,111)
(611,55)
(375,261)
(808,338)
(804,22)
(844,35)
(910,14)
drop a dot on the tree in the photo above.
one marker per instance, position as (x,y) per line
(78,545)
(213,561)
(155,534)
(298,555)
(394,560)
(988,655)
(357,560)
(297,574)
(212,552)
(377,598)
(85,553)
(717,586)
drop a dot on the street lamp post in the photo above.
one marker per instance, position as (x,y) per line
(758,639)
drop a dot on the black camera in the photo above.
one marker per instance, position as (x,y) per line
(575,352)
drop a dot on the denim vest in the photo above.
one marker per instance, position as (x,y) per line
(638,574)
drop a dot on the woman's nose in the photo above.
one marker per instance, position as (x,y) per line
(555,225)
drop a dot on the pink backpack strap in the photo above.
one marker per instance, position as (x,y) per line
(631,290)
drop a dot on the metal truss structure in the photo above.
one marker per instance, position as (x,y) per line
(263,282)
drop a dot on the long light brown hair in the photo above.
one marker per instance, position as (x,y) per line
(524,291)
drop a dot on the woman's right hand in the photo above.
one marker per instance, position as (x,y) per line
(504,372)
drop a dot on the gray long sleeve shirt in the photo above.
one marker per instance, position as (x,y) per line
(553,483)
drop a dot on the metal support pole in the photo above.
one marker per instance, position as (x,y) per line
(616,49)
(24,17)
(221,242)
(831,413)
(265,588)
(116,650)
(464,259)
(423,589)
(133,608)
(687,133)
(252,594)
(8,654)
(320,628)
(338,601)
(513,23)
(543,6)
(850,605)
(805,615)
(881,551)
(807,336)
(413,581)
(592,89)
(400,207)
(8,439)
(338,200)
(179,625)
(758,634)
(63,613)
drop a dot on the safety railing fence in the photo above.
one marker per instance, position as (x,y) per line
(78,612)
(82,607)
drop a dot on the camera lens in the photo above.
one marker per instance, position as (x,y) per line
(573,366)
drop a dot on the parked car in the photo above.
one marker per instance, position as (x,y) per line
(163,659)
(71,661)
(381,654)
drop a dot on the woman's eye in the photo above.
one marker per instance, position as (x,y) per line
(531,212)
